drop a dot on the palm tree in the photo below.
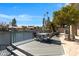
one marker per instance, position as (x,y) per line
(69,16)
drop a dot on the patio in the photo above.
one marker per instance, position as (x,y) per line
(37,48)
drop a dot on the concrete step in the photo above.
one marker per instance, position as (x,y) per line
(14,50)
(19,53)
(10,49)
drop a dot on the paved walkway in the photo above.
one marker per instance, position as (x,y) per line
(44,49)
(70,48)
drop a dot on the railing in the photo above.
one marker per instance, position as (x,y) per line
(9,37)
(17,36)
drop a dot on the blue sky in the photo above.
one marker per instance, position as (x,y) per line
(27,13)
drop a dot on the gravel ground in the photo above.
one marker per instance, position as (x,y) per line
(4,53)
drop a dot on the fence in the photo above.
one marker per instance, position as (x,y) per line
(6,38)
(3,46)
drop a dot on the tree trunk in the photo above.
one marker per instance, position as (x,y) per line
(73,33)
(70,36)
(67,33)
(75,29)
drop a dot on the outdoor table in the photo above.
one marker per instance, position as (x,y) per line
(42,36)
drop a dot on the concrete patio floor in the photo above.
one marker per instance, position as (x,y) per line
(37,48)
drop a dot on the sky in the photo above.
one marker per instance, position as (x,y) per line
(27,14)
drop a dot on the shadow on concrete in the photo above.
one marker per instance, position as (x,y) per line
(77,41)
(49,41)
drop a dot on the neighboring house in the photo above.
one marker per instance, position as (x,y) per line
(15,28)
(31,27)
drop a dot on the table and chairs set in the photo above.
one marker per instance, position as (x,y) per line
(45,36)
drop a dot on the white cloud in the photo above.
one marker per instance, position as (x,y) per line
(29,24)
(24,17)
(67,4)
(5,16)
